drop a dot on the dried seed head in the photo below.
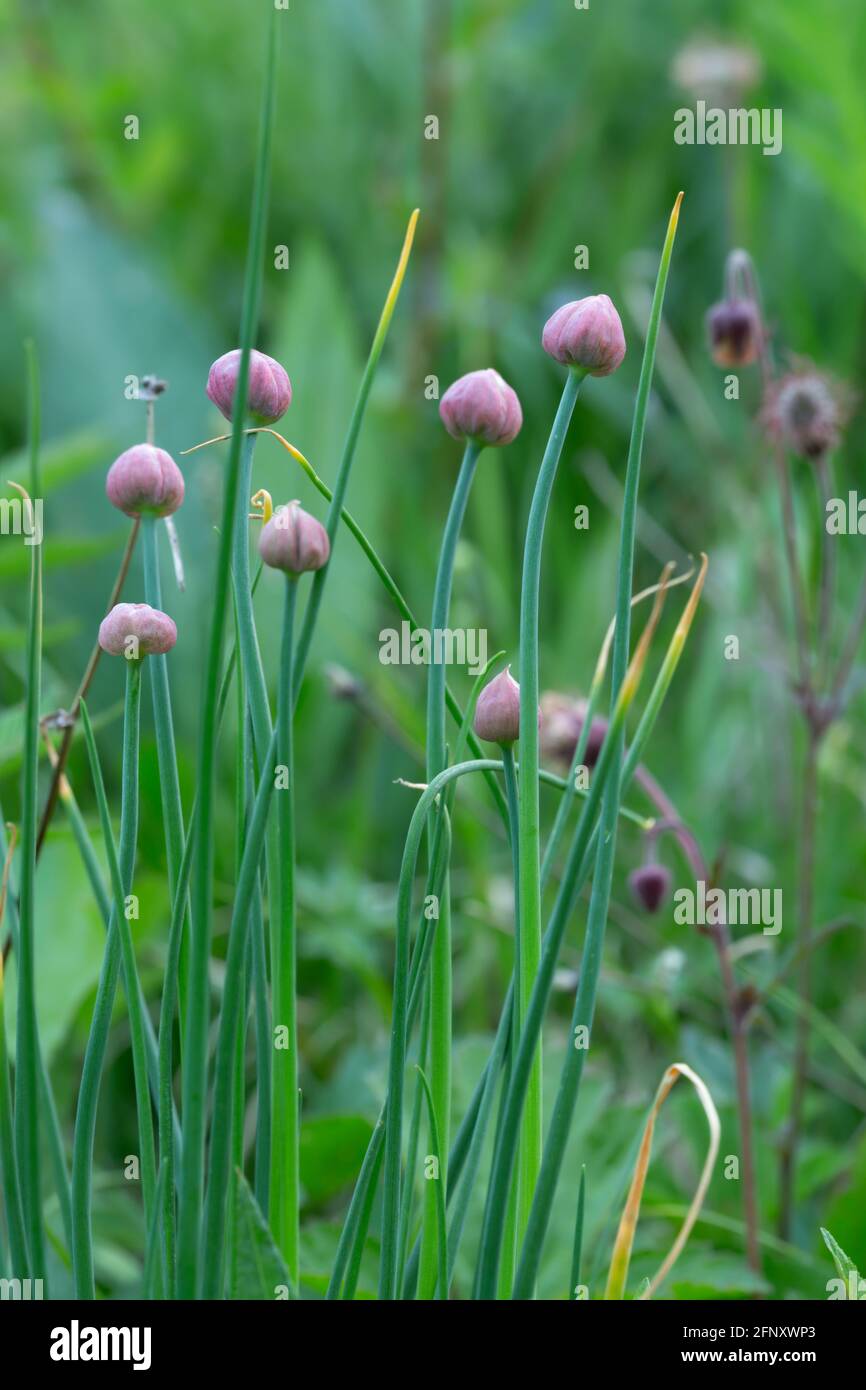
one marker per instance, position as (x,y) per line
(650,884)
(135,630)
(483,407)
(562,720)
(269,393)
(497,713)
(586,333)
(807,411)
(294,541)
(734,330)
(145,481)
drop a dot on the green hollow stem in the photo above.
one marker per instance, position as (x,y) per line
(194,1100)
(399,1028)
(285,1158)
(438,1187)
(232,1003)
(509,1239)
(440,978)
(584,1007)
(27,1049)
(120,890)
(577,1245)
(20,1267)
(97,1041)
(392,589)
(166,753)
(529,823)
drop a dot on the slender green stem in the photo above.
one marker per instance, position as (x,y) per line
(529,824)
(197,1022)
(27,1050)
(97,1042)
(584,1007)
(439,1189)
(285,1176)
(120,890)
(232,1003)
(440,978)
(20,1267)
(577,1248)
(509,1239)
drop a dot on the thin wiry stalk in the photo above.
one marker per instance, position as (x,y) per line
(285,1118)
(584,1009)
(529,915)
(195,1053)
(440,975)
(27,1050)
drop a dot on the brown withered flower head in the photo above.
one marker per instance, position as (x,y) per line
(562,720)
(807,410)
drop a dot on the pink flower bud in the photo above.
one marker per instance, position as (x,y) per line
(145,481)
(562,721)
(650,884)
(497,713)
(134,630)
(734,330)
(269,393)
(483,407)
(294,541)
(586,333)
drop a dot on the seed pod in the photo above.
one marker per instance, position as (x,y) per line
(481,406)
(734,331)
(497,713)
(294,541)
(269,392)
(586,333)
(650,884)
(145,481)
(135,630)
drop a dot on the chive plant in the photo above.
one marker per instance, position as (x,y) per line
(193,1163)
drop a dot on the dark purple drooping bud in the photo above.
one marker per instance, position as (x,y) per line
(135,630)
(650,884)
(294,541)
(734,331)
(586,333)
(562,721)
(481,406)
(807,411)
(145,481)
(497,713)
(269,392)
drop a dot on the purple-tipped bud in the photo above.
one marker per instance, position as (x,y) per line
(294,541)
(269,393)
(734,330)
(483,407)
(145,481)
(562,721)
(586,333)
(497,713)
(134,630)
(650,884)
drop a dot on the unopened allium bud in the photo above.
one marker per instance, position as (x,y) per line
(145,481)
(807,411)
(294,541)
(734,329)
(497,713)
(562,721)
(650,884)
(134,630)
(483,407)
(586,333)
(269,392)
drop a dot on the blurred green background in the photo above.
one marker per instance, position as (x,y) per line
(124,257)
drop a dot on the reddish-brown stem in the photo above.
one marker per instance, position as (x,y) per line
(737,1019)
